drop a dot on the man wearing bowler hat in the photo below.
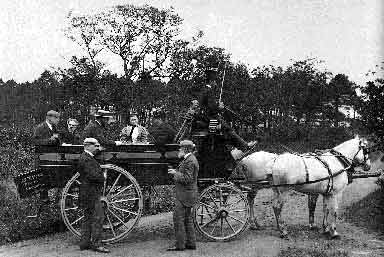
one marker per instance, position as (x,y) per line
(185,178)
(95,128)
(90,192)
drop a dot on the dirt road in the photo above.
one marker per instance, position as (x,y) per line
(154,234)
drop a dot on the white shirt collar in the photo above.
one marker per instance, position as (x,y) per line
(49,125)
(88,152)
(186,156)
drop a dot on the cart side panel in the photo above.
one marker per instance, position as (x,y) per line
(147,163)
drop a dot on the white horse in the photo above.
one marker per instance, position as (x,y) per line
(308,173)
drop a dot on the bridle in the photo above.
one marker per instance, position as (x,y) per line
(365,150)
(353,163)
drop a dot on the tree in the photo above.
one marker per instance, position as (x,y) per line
(341,91)
(372,109)
(82,30)
(142,36)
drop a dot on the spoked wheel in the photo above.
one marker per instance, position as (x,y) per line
(222,212)
(122,200)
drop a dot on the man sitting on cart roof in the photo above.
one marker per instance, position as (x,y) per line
(95,128)
(211,109)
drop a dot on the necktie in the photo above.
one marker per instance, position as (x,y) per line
(130,134)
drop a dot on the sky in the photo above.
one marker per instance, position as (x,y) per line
(347,34)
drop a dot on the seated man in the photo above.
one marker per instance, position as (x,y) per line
(71,136)
(96,128)
(161,133)
(46,132)
(211,110)
(134,133)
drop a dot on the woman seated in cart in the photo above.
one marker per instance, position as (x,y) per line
(134,133)
(159,133)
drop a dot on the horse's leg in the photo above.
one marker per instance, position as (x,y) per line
(252,219)
(333,210)
(325,214)
(312,200)
(278,203)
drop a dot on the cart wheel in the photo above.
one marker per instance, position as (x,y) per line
(122,198)
(222,212)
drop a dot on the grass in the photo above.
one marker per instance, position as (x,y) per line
(368,212)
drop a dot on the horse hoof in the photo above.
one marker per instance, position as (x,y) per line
(335,236)
(326,232)
(284,235)
(255,227)
(313,227)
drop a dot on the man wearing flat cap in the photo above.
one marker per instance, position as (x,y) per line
(46,132)
(91,188)
(185,178)
(95,128)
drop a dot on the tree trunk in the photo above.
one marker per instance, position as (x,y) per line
(337,112)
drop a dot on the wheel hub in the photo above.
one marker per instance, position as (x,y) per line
(223,213)
(105,201)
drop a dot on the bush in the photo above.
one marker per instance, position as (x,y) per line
(15,225)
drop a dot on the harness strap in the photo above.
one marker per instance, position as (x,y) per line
(341,158)
(348,166)
(306,170)
(330,177)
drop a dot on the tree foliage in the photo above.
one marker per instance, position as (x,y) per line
(142,36)
(146,40)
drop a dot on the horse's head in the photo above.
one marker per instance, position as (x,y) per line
(361,157)
(356,151)
(375,153)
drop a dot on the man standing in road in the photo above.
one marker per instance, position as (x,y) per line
(91,188)
(185,178)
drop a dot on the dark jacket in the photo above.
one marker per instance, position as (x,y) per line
(186,181)
(70,138)
(95,130)
(91,178)
(42,135)
(208,102)
(161,133)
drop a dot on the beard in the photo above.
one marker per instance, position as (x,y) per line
(181,155)
(97,152)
